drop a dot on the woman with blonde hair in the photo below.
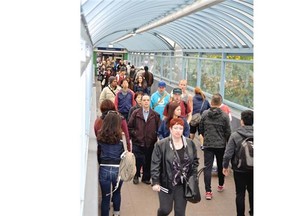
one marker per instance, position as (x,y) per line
(200,103)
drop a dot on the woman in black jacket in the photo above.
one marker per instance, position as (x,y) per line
(165,168)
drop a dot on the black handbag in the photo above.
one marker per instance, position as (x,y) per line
(191,187)
(196,118)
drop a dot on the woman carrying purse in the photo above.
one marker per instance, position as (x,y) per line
(166,172)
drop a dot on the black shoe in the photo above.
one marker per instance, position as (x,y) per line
(135,180)
(146,182)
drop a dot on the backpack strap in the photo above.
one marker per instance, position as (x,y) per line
(122,155)
(124,143)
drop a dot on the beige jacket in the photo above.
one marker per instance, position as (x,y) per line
(108,94)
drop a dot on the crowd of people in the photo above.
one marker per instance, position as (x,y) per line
(156,126)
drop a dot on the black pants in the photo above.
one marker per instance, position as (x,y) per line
(166,202)
(125,115)
(143,158)
(243,181)
(208,162)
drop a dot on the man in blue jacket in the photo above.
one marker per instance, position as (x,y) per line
(160,99)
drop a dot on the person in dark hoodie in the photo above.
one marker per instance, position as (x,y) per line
(215,129)
(243,179)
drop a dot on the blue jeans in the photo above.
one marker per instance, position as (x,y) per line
(107,177)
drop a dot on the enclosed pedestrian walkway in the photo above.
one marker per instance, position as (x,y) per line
(140,200)
(209,43)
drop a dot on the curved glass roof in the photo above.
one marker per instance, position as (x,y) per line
(194,25)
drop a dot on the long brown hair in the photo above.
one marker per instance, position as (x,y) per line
(110,131)
(171,108)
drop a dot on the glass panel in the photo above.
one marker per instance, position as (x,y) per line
(142,60)
(177,69)
(191,70)
(151,64)
(210,77)
(238,75)
(166,66)
(239,83)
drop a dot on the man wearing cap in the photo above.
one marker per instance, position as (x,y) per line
(160,99)
(110,91)
(185,109)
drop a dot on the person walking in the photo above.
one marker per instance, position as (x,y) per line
(199,104)
(124,99)
(140,85)
(106,106)
(110,148)
(165,169)
(138,100)
(185,96)
(185,109)
(143,126)
(110,91)
(243,179)
(215,129)
(174,111)
(160,99)
(148,76)
(225,108)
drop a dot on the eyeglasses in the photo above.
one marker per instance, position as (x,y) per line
(177,128)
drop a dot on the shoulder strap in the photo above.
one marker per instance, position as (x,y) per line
(181,167)
(111,90)
(159,100)
(124,141)
(122,155)
(178,158)
(202,105)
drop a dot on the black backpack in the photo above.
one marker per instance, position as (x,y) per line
(244,157)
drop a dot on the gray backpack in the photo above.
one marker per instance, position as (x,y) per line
(244,157)
(127,166)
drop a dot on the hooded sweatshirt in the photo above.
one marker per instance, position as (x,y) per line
(233,145)
(215,128)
